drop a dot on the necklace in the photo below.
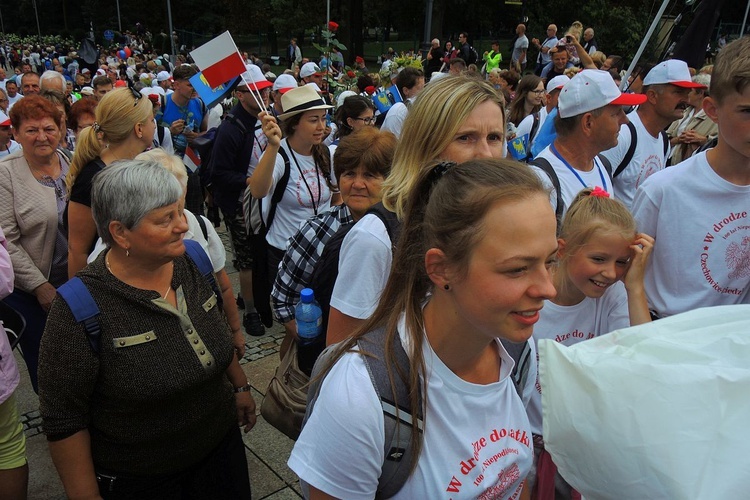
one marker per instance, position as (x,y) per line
(109,268)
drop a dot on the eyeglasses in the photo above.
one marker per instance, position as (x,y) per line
(137,95)
(537,92)
(370,120)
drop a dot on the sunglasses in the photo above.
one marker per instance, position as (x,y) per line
(136,95)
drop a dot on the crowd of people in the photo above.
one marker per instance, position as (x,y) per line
(476,207)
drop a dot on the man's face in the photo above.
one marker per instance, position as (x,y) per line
(79,79)
(166,84)
(30,84)
(2,74)
(184,88)
(671,102)
(560,60)
(520,29)
(317,78)
(461,38)
(11,88)
(606,127)
(551,30)
(26,68)
(101,90)
(734,126)
(4,135)
(588,34)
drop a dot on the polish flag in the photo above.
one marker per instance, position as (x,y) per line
(219,60)
(192,160)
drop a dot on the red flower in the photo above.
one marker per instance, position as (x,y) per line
(333,26)
(351,74)
(370,89)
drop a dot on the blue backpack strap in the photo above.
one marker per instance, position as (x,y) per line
(84,309)
(195,252)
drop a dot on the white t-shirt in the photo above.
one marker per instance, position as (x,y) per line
(527,123)
(648,159)
(306,194)
(520,49)
(394,120)
(570,325)
(213,246)
(569,183)
(12,147)
(364,265)
(701,224)
(476,443)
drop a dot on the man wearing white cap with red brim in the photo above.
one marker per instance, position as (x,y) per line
(283,83)
(590,112)
(7,145)
(643,146)
(237,148)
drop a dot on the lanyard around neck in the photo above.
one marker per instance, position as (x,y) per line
(317,176)
(574,171)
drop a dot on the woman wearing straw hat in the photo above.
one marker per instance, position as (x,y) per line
(310,187)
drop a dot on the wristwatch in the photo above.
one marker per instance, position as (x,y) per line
(244,388)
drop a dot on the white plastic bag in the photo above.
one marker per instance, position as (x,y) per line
(657,411)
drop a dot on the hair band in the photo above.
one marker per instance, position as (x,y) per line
(96,127)
(599,192)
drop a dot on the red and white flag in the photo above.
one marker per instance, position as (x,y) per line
(192,160)
(219,60)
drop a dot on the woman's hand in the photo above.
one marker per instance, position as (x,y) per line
(45,294)
(270,128)
(642,247)
(238,341)
(245,410)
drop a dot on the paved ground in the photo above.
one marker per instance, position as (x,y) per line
(267,448)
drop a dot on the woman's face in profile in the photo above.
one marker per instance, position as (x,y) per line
(481,135)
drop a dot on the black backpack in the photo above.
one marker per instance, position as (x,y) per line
(326,270)
(473,56)
(204,145)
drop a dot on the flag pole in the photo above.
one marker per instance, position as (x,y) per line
(258,99)
(744,20)
(654,23)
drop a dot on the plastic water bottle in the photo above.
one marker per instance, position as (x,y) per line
(311,341)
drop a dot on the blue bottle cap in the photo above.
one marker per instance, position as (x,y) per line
(306,295)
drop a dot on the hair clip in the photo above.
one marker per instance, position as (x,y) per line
(599,193)
(439,170)
(96,127)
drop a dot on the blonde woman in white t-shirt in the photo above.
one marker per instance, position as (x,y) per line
(472,267)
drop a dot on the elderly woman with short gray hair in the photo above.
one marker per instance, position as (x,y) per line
(152,411)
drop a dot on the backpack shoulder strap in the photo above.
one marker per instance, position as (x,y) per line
(229,117)
(546,166)
(278,193)
(665,139)
(630,152)
(161,132)
(76,294)
(521,354)
(606,164)
(199,257)
(534,126)
(202,224)
(390,221)
(396,408)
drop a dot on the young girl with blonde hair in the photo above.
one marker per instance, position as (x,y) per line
(599,283)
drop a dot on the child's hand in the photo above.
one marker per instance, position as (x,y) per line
(642,247)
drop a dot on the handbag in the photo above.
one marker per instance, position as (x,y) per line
(286,397)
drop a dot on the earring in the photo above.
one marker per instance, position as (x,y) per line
(447,286)
(127,252)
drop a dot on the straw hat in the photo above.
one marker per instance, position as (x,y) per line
(301,99)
